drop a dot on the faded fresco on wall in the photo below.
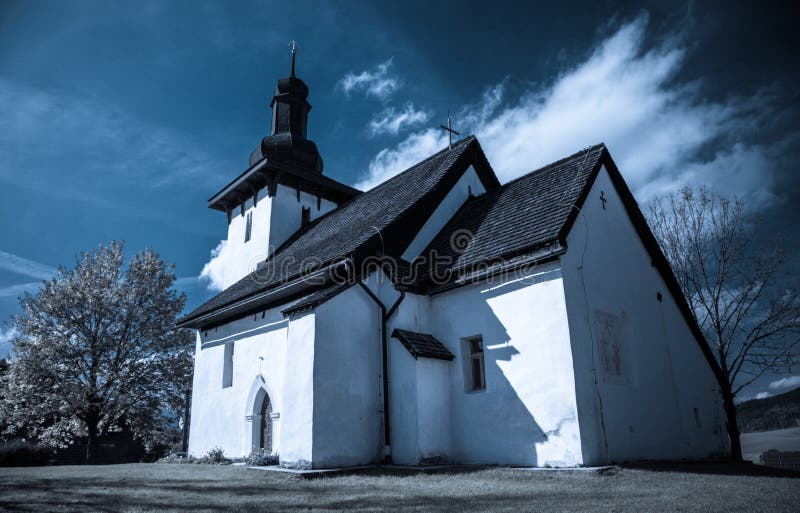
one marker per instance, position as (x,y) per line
(609,342)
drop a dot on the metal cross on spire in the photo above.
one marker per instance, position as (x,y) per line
(293,44)
(450,131)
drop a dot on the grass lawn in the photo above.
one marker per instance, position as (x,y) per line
(171,487)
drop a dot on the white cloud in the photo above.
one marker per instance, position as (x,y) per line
(19,265)
(391,121)
(214,271)
(763,395)
(375,82)
(657,129)
(187,282)
(414,148)
(6,338)
(19,289)
(785,383)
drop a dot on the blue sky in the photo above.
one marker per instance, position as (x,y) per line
(118,119)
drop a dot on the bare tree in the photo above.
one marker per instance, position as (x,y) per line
(98,348)
(738,289)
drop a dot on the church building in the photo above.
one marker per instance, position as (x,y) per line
(445,317)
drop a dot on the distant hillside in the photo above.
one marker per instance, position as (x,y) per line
(776,412)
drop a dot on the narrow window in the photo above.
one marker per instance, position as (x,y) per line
(306,216)
(697,419)
(474,372)
(227,366)
(248,226)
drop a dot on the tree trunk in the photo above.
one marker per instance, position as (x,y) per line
(732,426)
(91,442)
(186,405)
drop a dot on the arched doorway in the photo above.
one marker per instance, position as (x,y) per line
(265,428)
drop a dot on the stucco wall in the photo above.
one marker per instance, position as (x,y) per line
(434,428)
(347,385)
(219,415)
(468,183)
(298,393)
(527,413)
(275,219)
(646,411)
(322,371)
(403,405)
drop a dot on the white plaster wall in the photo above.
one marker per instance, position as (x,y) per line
(347,381)
(434,429)
(275,219)
(419,392)
(286,216)
(403,399)
(649,413)
(527,415)
(469,181)
(218,416)
(298,393)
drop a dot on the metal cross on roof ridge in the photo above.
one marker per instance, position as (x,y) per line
(450,131)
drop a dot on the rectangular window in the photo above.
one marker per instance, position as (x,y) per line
(697,419)
(474,371)
(248,227)
(227,366)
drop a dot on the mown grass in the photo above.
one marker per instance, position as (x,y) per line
(199,488)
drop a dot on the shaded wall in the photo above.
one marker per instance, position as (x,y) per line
(645,390)
(347,381)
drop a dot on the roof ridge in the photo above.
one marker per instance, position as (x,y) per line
(462,142)
(558,162)
(302,230)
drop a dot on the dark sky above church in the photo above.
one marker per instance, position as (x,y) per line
(119,119)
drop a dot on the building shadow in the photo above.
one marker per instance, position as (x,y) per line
(494,425)
(727,468)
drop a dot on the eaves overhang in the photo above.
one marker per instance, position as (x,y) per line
(275,296)
(269,173)
(520,263)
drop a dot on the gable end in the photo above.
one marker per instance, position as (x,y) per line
(658,260)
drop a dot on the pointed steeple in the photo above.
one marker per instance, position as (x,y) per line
(287,141)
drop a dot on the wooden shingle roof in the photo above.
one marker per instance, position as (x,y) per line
(422,345)
(384,218)
(525,215)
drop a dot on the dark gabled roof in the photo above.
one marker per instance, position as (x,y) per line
(384,218)
(533,215)
(520,217)
(422,345)
(315,299)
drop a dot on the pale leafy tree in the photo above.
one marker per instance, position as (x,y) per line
(97,350)
(737,286)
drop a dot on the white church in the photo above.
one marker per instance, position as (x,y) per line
(444,317)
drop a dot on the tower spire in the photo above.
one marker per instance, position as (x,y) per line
(288,135)
(293,44)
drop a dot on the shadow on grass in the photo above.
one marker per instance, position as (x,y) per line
(137,494)
(726,468)
(392,471)
(108,495)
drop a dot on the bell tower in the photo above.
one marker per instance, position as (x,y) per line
(282,191)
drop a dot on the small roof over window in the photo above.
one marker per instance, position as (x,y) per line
(422,345)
